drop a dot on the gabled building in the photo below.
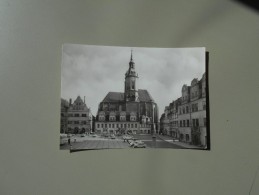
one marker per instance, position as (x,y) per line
(79,117)
(131,111)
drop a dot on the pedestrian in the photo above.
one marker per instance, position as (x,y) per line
(68,141)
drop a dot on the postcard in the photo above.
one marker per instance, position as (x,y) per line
(133,97)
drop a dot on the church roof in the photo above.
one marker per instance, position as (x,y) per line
(144,96)
(114,97)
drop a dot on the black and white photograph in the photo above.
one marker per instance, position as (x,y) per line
(133,97)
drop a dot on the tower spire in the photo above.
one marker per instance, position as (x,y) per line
(131,59)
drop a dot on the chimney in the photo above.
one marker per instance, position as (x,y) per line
(70,101)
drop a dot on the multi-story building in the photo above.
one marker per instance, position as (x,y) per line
(78,117)
(63,117)
(184,115)
(133,111)
(187,114)
(173,118)
(165,122)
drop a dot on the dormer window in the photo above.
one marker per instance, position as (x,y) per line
(101,118)
(122,118)
(133,118)
(112,118)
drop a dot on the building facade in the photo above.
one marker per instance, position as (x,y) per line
(63,116)
(131,111)
(187,114)
(76,117)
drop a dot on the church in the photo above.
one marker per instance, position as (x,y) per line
(132,111)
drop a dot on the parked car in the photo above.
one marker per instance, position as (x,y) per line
(112,136)
(82,135)
(139,144)
(94,135)
(131,143)
(127,137)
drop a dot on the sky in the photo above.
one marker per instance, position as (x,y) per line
(93,71)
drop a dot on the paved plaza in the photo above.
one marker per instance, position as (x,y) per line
(95,143)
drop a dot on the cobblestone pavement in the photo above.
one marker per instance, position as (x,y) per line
(183,144)
(96,144)
(156,142)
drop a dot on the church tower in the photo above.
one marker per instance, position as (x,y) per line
(131,91)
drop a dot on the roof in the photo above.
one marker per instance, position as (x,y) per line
(144,96)
(64,103)
(114,97)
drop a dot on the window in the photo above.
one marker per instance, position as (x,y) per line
(112,118)
(125,125)
(109,125)
(204,105)
(117,125)
(197,122)
(128,125)
(76,115)
(183,110)
(83,115)
(180,123)
(105,125)
(76,122)
(136,125)
(112,125)
(102,125)
(84,122)
(98,125)
(193,122)
(132,118)
(133,85)
(187,109)
(187,137)
(184,123)
(121,125)
(122,118)
(131,125)
(101,118)
(187,121)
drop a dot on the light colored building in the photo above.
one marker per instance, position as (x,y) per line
(79,117)
(133,111)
